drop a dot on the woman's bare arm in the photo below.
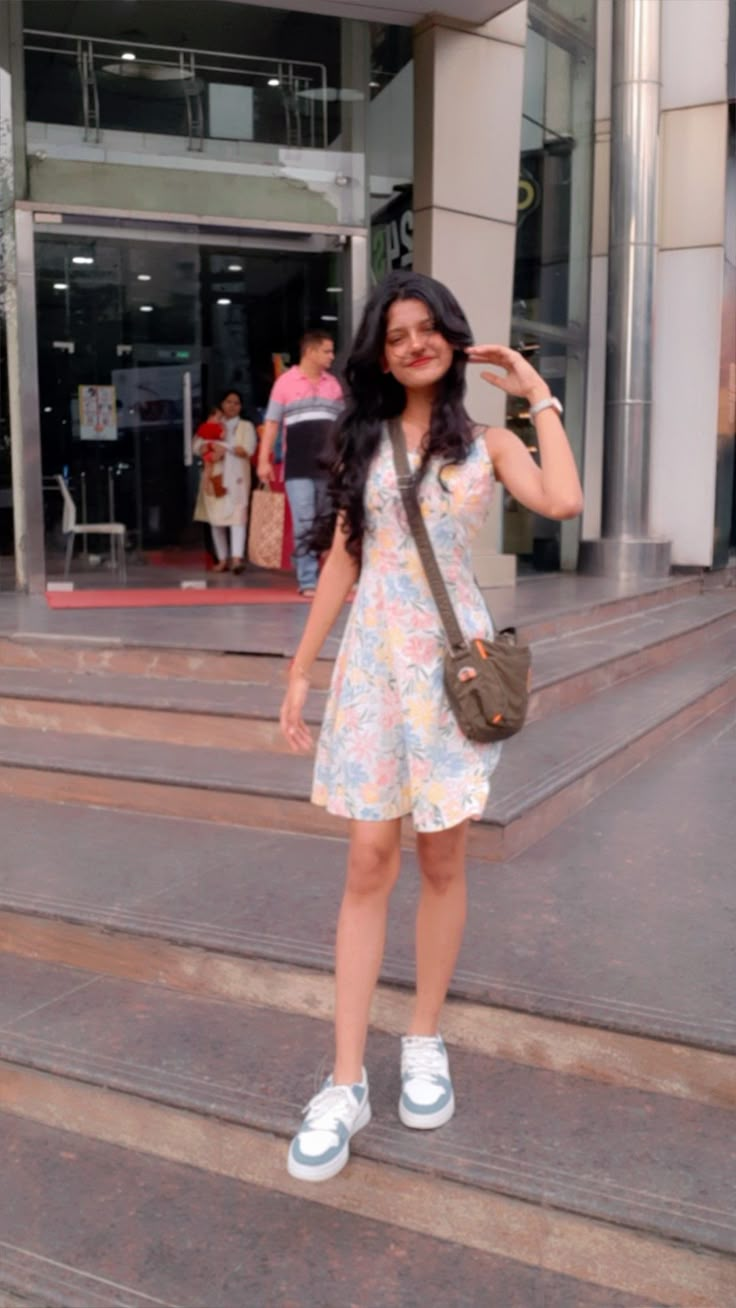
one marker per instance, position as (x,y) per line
(338,575)
(553,489)
(336,580)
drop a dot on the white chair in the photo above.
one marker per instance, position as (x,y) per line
(71,528)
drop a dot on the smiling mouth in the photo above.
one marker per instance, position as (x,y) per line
(419,363)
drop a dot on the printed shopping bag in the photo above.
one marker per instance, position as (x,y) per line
(266,532)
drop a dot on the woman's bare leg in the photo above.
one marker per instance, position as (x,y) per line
(373,867)
(440,921)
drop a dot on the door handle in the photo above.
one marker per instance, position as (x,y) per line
(186,389)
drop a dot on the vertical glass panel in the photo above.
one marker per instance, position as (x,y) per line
(390,149)
(551,276)
(118,327)
(535,539)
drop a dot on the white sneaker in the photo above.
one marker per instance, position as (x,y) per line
(321,1147)
(427,1098)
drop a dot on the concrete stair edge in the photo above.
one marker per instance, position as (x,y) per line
(570,1187)
(261,701)
(676,690)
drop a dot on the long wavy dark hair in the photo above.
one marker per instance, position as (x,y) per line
(373,396)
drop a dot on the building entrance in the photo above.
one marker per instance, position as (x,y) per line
(139,332)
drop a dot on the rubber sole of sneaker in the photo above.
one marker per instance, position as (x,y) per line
(325,1171)
(426,1121)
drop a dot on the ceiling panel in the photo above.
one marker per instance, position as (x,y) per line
(403,12)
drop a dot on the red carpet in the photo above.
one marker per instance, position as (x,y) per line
(164,597)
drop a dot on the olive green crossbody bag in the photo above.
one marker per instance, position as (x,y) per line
(486,681)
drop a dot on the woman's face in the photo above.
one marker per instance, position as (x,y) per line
(414,351)
(230,407)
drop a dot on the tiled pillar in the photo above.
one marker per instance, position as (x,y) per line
(690,276)
(596,377)
(467,140)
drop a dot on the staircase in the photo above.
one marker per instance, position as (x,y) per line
(167,913)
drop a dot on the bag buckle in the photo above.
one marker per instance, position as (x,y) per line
(405,481)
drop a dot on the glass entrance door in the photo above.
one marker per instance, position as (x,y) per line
(138,337)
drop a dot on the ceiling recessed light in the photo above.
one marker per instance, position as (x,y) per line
(273,81)
(82,258)
(146,308)
(224,300)
(235,267)
(334,290)
(61,286)
(128,56)
(47,409)
(374,85)
(329,317)
(144,277)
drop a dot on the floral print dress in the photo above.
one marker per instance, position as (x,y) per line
(389,743)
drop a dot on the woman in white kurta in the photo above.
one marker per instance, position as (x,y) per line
(232,472)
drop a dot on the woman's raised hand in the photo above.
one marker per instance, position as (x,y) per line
(291,718)
(518,376)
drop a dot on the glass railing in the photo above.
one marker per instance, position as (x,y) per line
(101,85)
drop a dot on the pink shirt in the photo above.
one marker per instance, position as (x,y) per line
(306,410)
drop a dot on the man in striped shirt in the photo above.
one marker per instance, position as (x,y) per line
(305,401)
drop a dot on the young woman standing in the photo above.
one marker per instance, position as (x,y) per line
(389,744)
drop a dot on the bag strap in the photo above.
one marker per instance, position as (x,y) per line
(407,482)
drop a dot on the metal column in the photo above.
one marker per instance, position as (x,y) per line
(626,550)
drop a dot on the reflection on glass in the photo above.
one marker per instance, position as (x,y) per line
(390,149)
(552,266)
(121,338)
(224,72)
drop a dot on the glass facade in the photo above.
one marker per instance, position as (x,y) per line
(300,126)
(217,71)
(278,100)
(138,335)
(286,121)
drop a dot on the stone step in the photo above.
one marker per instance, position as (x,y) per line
(106,656)
(125,1228)
(628,1158)
(173,712)
(684,1071)
(252,646)
(618,921)
(186,711)
(550,770)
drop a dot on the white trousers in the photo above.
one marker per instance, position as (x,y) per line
(237,538)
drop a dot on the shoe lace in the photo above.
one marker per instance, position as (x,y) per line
(425,1058)
(328,1108)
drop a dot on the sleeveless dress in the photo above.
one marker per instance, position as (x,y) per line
(389,744)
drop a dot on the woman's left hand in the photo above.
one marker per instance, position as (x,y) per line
(518,377)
